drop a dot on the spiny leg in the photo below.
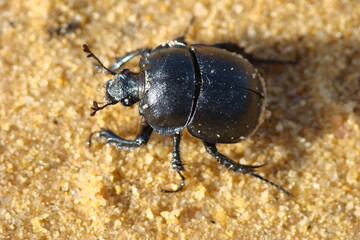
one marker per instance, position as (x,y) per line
(181,39)
(233,47)
(176,163)
(127,57)
(111,138)
(237,167)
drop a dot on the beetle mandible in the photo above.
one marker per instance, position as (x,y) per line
(212,90)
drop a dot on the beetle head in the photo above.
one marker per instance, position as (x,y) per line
(123,88)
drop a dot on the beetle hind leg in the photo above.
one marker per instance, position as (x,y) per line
(233,47)
(176,164)
(182,38)
(227,162)
(237,167)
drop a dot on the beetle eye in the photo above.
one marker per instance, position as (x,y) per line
(127,101)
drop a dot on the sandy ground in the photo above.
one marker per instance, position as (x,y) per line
(53,187)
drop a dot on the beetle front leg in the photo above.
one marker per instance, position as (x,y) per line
(176,163)
(237,167)
(127,57)
(111,138)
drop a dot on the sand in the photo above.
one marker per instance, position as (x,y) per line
(52,186)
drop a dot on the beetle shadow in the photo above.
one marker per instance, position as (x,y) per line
(309,100)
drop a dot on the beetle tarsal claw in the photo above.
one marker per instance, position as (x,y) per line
(89,141)
(180,187)
(246,169)
(256,166)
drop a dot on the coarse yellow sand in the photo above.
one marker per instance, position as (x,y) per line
(53,187)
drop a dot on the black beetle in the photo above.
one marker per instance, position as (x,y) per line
(212,90)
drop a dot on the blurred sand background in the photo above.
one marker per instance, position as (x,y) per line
(53,187)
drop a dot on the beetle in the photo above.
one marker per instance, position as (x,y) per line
(212,90)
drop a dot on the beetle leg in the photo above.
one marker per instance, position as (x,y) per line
(111,138)
(181,38)
(237,167)
(127,57)
(233,47)
(176,163)
(228,163)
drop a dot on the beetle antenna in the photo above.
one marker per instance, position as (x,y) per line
(96,107)
(90,54)
(271,183)
(187,29)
